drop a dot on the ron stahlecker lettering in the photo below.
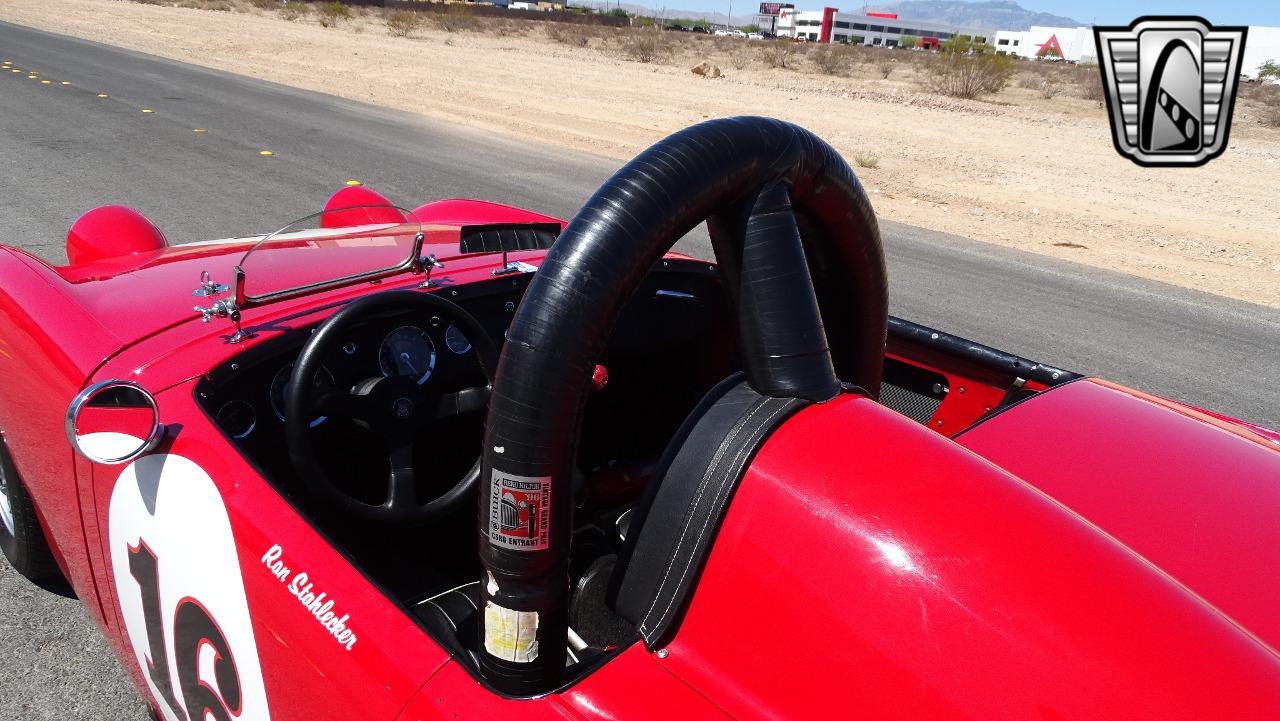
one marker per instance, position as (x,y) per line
(317,605)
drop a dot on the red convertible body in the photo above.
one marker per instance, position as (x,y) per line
(948,532)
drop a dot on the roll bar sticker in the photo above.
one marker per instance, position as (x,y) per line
(519,511)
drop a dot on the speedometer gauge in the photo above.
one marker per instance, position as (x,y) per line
(456,341)
(407,352)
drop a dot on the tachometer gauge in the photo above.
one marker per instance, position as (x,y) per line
(407,352)
(322,381)
(456,341)
(238,418)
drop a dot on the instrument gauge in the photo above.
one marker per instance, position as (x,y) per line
(407,352)
(323,381)
(238,418)
(456,341)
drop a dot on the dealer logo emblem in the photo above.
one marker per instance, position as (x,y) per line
(1171,85)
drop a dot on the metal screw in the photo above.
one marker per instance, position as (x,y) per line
(453,293)
(663,653)
(510,306)
(939,423)
(435,321)
(1055,376)
(349,348)
(961,390)
(235,366)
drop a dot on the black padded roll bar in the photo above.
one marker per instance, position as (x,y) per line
(737,174)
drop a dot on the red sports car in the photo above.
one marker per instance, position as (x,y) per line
(467,461)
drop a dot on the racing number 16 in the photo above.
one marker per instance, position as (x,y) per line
(193,627)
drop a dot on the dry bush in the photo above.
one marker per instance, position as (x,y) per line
(777,53)
(152,2)
(1268,96)
(332,14)
(740,58)
(967,76)
(456,18)
(265,4)
(568,34)
(508,28)
(866,160)
(403,23)
(831,59)
(1028,81)
(294,10)
(646,46)
(1050,88)
(224,6)
(1090,85)
(886,68)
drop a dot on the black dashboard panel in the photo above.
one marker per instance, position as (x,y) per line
(677,318)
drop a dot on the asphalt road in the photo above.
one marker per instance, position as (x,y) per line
(64,149)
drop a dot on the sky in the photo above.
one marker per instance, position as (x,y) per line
(1122,12)
(1099,12)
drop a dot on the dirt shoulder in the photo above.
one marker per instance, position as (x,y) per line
(1018,170)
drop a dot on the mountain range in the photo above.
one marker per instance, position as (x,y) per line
(997,14)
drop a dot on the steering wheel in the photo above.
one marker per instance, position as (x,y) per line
(799,252)
(395,408)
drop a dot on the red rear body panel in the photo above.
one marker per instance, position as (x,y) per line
(871,569)
(1196,496)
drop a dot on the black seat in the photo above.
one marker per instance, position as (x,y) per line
(452,617)
(674,525)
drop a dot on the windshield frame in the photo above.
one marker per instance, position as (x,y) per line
(414,263)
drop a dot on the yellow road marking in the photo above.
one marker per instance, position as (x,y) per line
(66,82)
(103,95)
(265,153)
(147,110)
(199,130)
(354,183)
(46,82)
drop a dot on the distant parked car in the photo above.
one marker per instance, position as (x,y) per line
(732,32)
(755,36)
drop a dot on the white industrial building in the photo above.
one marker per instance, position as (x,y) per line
(829,25)
(1074,45)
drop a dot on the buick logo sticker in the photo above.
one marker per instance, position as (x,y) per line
(1171,86)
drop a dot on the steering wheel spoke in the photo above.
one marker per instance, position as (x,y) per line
(402,482)
(461,403)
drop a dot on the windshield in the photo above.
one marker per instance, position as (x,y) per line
(328,249)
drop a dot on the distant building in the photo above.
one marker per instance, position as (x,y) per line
(1073,45)
(829,25)
(1262,44)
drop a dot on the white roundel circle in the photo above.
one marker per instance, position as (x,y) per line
(181,593)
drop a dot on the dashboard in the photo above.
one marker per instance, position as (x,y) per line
(669,344)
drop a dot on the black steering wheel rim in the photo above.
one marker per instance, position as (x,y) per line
(730,173)
(301,401)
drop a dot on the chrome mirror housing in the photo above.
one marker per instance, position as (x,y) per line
(113,422)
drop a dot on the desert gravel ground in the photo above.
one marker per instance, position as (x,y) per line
(1016,169)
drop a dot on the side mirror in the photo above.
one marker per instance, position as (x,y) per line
(113,422)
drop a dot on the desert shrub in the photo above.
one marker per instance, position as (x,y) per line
(456,18)
(265,4)
(830,59)
(740,58)
(294,10)
(776,53)
(886,68)
(866,160)
(331,14)
(1089,84)
(567,34)
(152,2)
(908,42)
(967,76)
(645,46)
(1028,81)
(223,6)
(1049,88)
(1268,97)
(403,23)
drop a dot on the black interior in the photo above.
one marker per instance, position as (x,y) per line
(674,342)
